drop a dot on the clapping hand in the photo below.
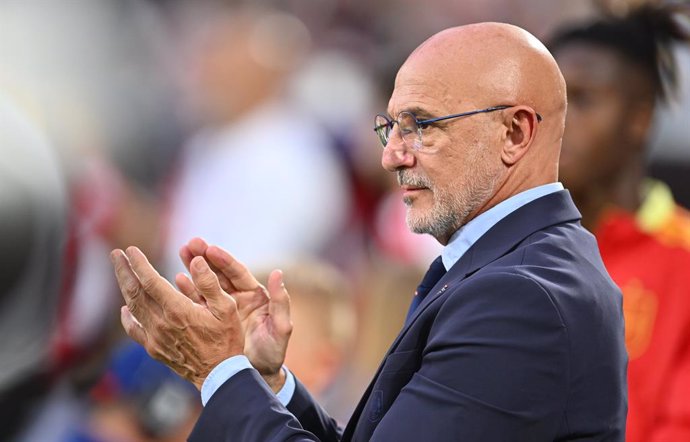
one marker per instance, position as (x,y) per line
(265,314)
(222,311)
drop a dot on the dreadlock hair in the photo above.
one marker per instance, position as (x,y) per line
(644,36)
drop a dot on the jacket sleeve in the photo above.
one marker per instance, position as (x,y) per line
(494,367)
(245,409)
(312,417)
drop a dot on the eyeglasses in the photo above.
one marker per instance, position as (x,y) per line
(411,128)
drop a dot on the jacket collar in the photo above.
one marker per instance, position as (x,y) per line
(504,236)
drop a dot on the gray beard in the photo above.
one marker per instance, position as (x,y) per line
(439,222)
(450,210)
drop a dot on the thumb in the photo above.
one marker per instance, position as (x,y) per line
(279,306)
(207,285)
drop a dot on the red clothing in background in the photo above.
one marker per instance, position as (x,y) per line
(648,256)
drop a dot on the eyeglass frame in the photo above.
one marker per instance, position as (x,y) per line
(429,121)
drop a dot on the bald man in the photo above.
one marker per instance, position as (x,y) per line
(516,331)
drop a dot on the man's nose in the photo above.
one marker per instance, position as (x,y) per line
(396,154)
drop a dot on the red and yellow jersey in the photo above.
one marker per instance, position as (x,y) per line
(648,256)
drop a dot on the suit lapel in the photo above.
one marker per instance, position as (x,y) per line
(508,233)
(554,208)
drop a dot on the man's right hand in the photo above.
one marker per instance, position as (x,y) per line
(265,314)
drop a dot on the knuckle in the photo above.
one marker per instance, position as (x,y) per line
(131,288)
(134,308)
(232,269)
(174,317)
(208,282)
(160,325)
(149,284)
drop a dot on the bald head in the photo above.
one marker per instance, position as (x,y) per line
(486,64)
(513,100)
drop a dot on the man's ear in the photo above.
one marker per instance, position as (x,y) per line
(521,128)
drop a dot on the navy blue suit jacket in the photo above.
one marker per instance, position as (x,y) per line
(522,340)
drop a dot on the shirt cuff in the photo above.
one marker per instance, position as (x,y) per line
(222,372)
(285,394)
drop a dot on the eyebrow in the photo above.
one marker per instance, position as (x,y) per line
(417,111)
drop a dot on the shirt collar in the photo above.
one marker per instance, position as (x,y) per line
(468,234)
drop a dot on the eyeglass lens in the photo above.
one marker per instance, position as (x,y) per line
(407,124)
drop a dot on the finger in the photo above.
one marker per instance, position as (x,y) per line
(279,307)
(224,282)
(237,274)
(197,247)
(136,299)
(206,282)
(249,301)
(186,256)
(132,327)
(188,288)
(126,279)
(153,284)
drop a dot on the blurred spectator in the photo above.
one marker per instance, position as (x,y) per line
(33,234)
(322,309)
(300,198)
(616,69)
(669,156)
(386,290)
(138,399)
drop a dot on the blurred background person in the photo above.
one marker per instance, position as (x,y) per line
(323,310)
(255,147)
(617,69)
(137,399)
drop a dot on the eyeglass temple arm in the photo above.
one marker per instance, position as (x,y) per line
(467,114)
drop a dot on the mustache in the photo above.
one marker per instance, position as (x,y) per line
(406,178)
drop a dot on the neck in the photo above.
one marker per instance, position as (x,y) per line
(622,191)
(513,184)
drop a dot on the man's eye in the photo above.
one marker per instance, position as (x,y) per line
(424,125)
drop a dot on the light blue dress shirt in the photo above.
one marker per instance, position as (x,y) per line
(468,234)
(459,243)
(230,367)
